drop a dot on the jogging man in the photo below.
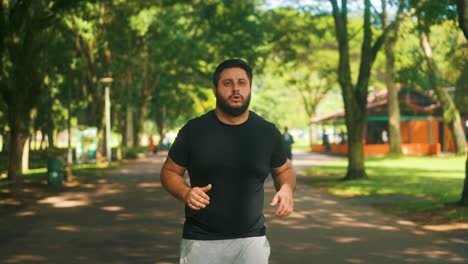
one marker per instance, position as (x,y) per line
(228,153)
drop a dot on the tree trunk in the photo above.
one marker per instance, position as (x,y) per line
(25,156)
(122,128)
(461,94)
(462,83)
(355,125)
(462,8)
(68,174)
(451,114)
(129,129)
(6,141)
(354,121)
(160,124)
(50,138)
(99,112)
(7,144)
(15,157)
(3,31)
(69,131)
(50,127)
(464,198)
(19,119)
(142,112)
(101,148)
(42,140)
(392,94)
(2,136)
(456,126)
(31,140)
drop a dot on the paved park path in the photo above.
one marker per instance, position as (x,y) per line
(127,217)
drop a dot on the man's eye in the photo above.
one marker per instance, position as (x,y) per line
(227,84)
(242,83)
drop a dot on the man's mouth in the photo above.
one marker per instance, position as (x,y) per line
(236,98)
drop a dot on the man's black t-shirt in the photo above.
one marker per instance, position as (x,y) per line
(235,160)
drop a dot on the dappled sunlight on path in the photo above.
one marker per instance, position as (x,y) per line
(123,217)
(127,217)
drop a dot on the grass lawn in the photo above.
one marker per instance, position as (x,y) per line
(40,174)
(431,185)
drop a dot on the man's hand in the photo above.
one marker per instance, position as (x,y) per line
(196,198)
(284,197)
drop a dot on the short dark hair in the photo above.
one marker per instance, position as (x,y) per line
(232,63)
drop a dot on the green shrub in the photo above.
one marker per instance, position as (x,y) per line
(132,152)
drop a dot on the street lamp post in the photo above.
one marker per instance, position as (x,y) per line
(107,81)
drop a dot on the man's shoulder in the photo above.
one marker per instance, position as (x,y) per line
(258,120)
(206,117)
(199,123)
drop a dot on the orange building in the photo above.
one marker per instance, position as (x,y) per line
(422,129)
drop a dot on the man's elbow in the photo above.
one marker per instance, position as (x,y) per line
(165,177)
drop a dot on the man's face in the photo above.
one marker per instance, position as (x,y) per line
(233,92)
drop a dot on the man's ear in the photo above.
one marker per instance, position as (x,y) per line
(215,91)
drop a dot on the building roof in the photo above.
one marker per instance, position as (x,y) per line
(412,102)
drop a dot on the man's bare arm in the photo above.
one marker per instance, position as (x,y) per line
(285,184)
(284,175)
(172,179)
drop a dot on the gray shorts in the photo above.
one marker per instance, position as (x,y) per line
(251,250)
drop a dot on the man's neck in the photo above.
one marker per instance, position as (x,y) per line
(231,120)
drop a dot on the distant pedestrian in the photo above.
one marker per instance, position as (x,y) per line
(228,153)
(326,141)
(343,137)
(151,146)
(288,140)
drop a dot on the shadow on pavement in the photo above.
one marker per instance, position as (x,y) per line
(127,217)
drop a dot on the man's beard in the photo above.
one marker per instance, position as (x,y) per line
(224,106)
